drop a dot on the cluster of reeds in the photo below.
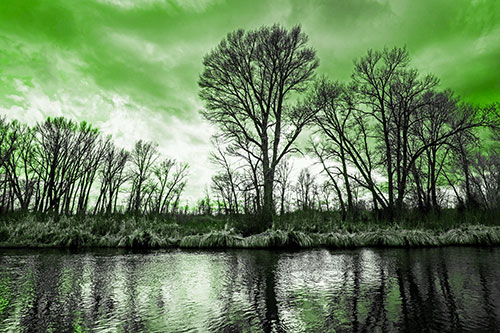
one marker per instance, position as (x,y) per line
(134,232)
(31,231)
(473,235)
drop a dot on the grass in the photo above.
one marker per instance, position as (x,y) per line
(289,231)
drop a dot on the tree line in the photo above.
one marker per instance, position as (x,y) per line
(63,167)
(388,140)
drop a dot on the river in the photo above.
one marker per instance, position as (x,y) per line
(424,289)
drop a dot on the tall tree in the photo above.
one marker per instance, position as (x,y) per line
(61,149)
(385,122)
(18,167)
(339,124)
(8,145)
(143,158)
(226,181)
(170,180)
(428,171)
(247,84)
(112,178)
(283,172)
(389,94)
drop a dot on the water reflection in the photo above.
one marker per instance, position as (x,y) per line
(366,290)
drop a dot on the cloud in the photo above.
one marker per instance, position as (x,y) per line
(132,4)
(131,67)
(187,5)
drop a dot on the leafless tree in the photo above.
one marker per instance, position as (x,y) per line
(327,196)
(61,148)
(113,176)
(227,180)
(306,190)
(169,179)
(247,83)
(346,141)
(142,158)
(17,165)
(436,115)
(385,122)
(283,172)
(8,145)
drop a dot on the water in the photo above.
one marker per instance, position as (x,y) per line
(448,289)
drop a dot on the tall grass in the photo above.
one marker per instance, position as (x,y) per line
(28,230)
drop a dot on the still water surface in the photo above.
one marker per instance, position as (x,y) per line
(446,290)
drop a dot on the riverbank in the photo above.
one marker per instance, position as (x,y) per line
(208,232)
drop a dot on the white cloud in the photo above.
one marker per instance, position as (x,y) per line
(197,6)
(194,5)
(187,140)
(131,4)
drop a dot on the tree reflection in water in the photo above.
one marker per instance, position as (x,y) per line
(365,290)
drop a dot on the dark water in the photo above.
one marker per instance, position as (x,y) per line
(443,290)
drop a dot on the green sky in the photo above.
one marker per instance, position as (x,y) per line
(131,67)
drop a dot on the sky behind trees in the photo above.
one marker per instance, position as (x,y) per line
(131,67)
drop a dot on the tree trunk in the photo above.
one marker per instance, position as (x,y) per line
(267,208)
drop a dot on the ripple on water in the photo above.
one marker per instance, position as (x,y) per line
(449,289)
